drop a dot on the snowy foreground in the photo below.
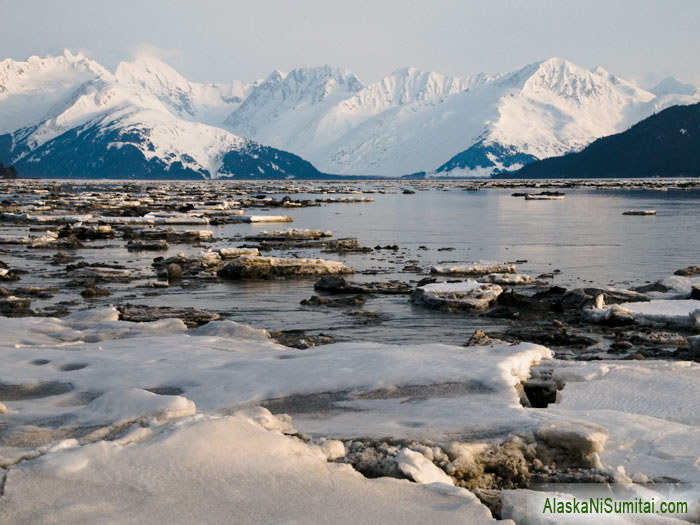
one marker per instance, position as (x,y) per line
(110,421)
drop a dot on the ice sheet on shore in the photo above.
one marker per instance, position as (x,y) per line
(650,409)
(427,392)
(347,389)
(216,470)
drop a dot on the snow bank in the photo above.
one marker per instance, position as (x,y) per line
(235,471)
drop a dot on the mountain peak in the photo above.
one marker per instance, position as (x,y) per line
(672,86)
(148,69)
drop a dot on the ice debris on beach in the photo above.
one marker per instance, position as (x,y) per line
(681,313)
(256,267)
(456,296)
(473,268)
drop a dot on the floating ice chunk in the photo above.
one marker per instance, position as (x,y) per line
(255,267)
(93,315)
(452,288)
(681,284)
(421,470)
(474,268)
(677,313)
(508,278)
(658,312)
(259,218)
(121,406)
(231,330)
(639,212)
(61,219)
(175,218)
(103,273)
(200,235)
(290,234)
(47,239)
(466,295)
(209,257)
(232,253)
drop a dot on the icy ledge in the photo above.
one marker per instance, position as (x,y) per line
(209,469)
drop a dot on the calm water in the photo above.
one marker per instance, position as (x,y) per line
(585,236)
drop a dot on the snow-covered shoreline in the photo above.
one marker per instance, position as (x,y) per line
(98,410)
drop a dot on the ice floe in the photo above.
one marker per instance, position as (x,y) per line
(474,268)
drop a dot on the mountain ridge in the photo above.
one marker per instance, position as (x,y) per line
(327,118)
(666,144)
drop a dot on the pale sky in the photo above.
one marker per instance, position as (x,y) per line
(223,40)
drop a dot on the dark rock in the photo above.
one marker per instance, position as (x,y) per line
(652,287)
(552,291)
(547,335)
(89,293)
(479,338)
(620,346)
(346,245)
(539,393)
(301,340)
(580,298)
(144,314)
(688,271)
(315,300)
(12,306)
(8,275)
(174,271)
(338,285)
(695,293)
(160,245)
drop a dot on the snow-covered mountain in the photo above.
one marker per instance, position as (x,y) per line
(416,121)
(28,90)
(146,119)
(207,103)
(356,129)
(69,116)
(671,86)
